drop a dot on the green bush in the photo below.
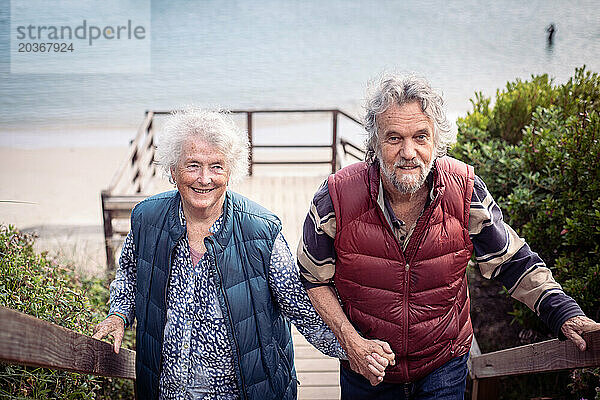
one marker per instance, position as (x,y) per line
(538,150)
(36,285)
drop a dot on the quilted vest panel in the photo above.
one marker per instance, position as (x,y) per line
(259,333)
(416,299)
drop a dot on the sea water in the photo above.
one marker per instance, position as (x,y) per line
(296,54)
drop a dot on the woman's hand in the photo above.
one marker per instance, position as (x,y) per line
(112,325)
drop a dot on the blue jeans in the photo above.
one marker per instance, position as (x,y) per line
(445,383)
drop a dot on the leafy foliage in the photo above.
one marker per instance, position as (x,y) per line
(36,285)
(538,150)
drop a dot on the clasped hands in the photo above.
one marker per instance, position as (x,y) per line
(370,358)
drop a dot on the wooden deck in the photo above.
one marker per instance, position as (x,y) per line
(289,197)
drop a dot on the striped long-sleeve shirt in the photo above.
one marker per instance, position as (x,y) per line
(499,251)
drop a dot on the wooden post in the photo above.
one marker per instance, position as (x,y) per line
(334,143)
(485,389)
(108,234)
(249,126)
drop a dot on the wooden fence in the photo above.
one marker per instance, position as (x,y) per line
(26,340)
(549,356)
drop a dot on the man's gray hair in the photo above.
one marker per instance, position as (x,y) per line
(214,127)
(398,89)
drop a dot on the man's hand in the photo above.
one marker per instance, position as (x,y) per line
(369,358)
(574,327)
(112,325)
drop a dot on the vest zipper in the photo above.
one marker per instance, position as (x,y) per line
(235,343)
(408,257)
(405,311)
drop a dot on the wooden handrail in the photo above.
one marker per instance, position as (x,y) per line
(350,117)
(551,355)
(548,356)
(133,148)
(26,340)
(358,153)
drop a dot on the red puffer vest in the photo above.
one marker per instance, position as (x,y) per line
(416,300)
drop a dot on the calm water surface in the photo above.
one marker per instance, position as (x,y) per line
(310,53)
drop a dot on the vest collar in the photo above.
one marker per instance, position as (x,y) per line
(374,178)
(438,187)
(224,235)
(176,231)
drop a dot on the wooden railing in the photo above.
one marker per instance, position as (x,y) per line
(335,114)
(549,356)
(26,340)
(133,180)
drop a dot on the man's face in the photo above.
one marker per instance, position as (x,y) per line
(406,145)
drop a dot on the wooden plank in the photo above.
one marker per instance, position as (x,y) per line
(325,364)
(551,355)
(318,393)
(123,202)
(305,352)
(26,340)
(120,214)
(310,379)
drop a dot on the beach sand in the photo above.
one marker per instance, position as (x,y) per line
(62,189)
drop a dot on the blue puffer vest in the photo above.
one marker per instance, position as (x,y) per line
(259,333)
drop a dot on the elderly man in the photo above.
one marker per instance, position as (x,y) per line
(392,236)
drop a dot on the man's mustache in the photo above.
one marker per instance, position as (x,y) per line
(409,163)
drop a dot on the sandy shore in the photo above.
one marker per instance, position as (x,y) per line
(63,184)
(62,189)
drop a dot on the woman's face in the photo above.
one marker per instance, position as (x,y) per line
(201,177)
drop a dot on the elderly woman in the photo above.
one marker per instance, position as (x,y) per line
(210,278)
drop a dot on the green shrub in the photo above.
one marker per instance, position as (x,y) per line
(538,150)
(34,284)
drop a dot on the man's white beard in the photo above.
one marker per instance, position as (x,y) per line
(408,183)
